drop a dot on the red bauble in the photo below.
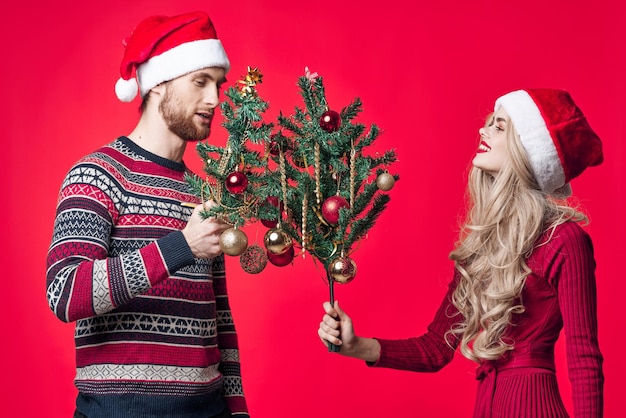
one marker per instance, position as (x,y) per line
(283,259)
(274,148)
(236,182)
(330,121)
(269,223)
(272,200)
(330,208)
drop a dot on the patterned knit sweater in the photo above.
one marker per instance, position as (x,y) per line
(154,332)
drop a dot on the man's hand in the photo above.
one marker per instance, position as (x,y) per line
(203,235)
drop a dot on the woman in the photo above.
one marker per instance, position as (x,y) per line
(524,270)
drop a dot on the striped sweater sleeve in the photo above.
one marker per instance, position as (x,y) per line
(82,280)
(228,344)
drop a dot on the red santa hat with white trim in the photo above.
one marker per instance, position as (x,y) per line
(555,134)
(162,48)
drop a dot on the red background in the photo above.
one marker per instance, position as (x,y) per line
(427,74)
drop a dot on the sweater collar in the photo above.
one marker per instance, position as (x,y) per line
(172,165)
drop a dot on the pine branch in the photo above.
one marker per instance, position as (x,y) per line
(368,139)
(352,110)
(361,226)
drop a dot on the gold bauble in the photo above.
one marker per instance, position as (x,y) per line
(342,269)
(277,241)
(385,182)
(233,242)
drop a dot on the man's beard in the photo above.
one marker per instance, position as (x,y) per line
(178,122)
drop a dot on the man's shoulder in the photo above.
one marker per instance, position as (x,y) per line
(100,160)
(112,150)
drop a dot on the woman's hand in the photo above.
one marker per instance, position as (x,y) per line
(336,328)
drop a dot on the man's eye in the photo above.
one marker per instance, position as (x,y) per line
(200,83)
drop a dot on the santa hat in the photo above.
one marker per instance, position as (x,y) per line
(162,48)
(555,134)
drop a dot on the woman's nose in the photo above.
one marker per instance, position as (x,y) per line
(482,132)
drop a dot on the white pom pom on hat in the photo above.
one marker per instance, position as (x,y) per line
(126,90)
(162,48)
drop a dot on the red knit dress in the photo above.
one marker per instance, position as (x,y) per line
(559,294)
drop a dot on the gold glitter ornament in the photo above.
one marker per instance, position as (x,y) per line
(342,269)
(233,242)
(385,182)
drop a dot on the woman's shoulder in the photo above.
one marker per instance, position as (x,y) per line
(558,246)
(567,235)
(570,230)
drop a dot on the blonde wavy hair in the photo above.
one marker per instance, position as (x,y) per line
(506,217)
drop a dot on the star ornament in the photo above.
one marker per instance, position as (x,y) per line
(246,89)
(247,85)
(254,76)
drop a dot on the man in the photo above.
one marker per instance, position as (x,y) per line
(138,270)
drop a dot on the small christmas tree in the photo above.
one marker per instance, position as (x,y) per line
(239,179)
(311,182)
(325,172)
(330,202)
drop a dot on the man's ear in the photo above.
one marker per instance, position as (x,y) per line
(156,94)
(159,89)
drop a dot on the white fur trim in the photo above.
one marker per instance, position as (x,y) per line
(180,60)
(536,139)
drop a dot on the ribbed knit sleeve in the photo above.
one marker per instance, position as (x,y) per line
(175,251)
(574,266)
(429,352)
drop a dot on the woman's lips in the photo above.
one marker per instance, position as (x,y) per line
(483,147)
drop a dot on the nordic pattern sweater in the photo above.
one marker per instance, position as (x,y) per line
(154,332)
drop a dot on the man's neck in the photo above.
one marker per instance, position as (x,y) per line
(152,134)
